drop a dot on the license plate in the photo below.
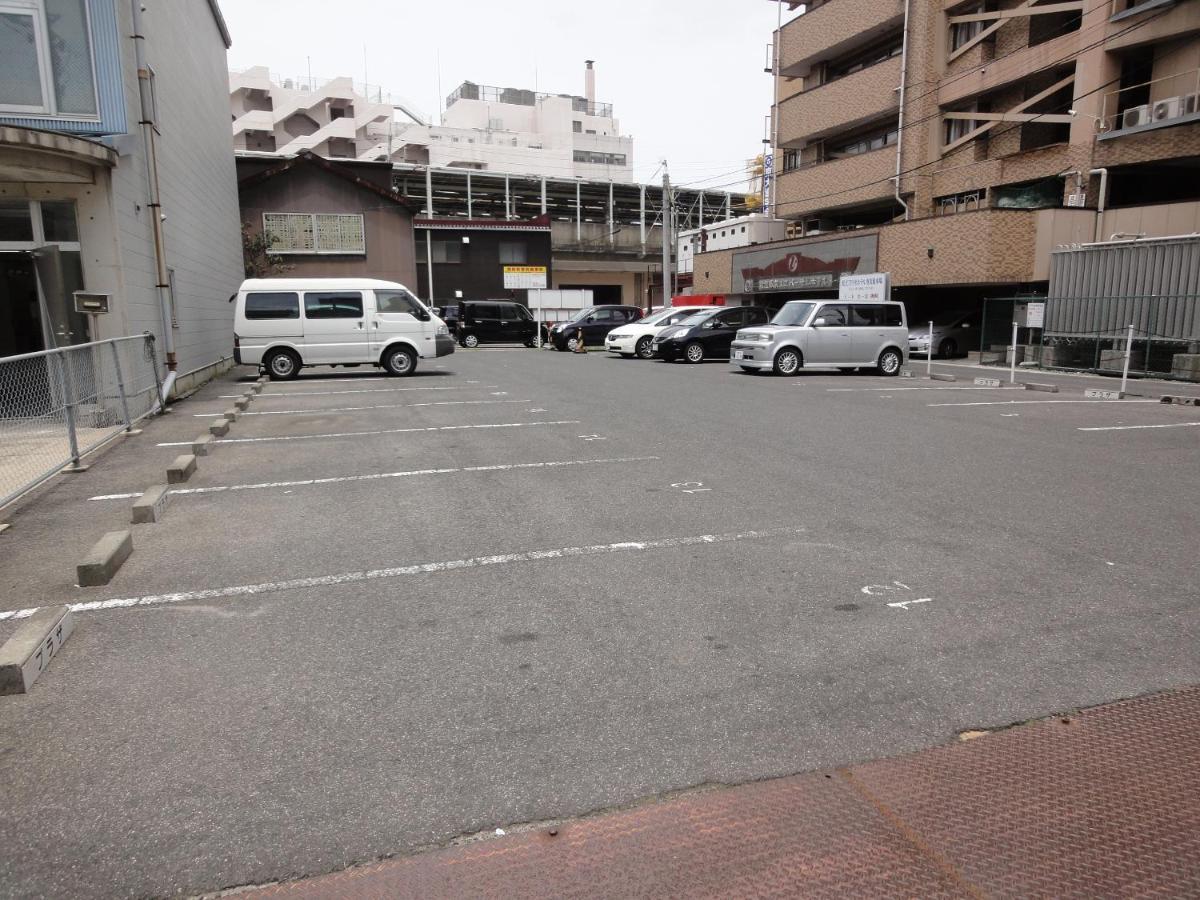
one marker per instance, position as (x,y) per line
(654,346)
(738,354)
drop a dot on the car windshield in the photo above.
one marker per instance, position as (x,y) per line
(681,315)
(582,314)
(694,318)
(662,317)
(793,313)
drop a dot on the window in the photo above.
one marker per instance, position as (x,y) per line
(891,315)
(960,202)
(447,251)
(333,305)
(602,159)
(833,314)
(577,127)
(791,160)
(314,233)
(866,315)
(878,53)
(512,252)
(963,32)
(272,305)
(47,52)
(58,220)
(398,302)
(16,220)
(865,143)
(485,311)
(956,129)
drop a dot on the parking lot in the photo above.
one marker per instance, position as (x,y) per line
(522,585)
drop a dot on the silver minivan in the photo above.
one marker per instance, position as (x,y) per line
(837,334)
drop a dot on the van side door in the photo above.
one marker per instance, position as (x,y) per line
(334,327)
(829,343)
(868,332)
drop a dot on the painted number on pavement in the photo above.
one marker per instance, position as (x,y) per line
(690,487)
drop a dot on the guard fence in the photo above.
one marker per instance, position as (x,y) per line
(58,405)
(1159,334)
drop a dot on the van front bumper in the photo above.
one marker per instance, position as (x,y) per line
(752,355)
(444,345)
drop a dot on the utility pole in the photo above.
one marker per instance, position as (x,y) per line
(667,206)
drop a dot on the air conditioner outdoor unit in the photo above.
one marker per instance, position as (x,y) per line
(1135,116)
(1170,108)
(1191,104)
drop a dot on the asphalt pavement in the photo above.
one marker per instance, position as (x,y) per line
(526,585)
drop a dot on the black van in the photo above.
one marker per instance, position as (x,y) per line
(493,322)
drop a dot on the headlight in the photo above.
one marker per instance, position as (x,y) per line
(442,329)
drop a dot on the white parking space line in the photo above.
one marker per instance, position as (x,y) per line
(376,476)
(894,390)
(276,394)
(341,434)
(1137,427)
(1039,402)
(432,568)
(342,409)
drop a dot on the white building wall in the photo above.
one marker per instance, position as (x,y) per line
(743,231)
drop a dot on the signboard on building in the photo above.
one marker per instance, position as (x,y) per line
(873,288)
(1030,315)
(518,278)
(814,266)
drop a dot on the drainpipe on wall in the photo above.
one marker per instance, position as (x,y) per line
(1101,199)
(900,124)
(156,215)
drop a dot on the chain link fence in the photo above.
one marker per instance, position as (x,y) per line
(1159,334)
(57,405)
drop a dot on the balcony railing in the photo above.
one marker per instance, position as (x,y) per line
(468,90)
(1165,101)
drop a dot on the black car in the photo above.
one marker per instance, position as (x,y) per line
(494,322)
(595,322)
(449,315)
(707,334)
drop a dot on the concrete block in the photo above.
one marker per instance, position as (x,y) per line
(938,376)
(256,388)
(181,469)
(219,427)
(973,356)
(149,507)
(104,559)
(201,445)
(1181,401)
(991,357)
(1114,360)
(232,414)
(1035,386)
(1008,355)
(27,654)
(1186,366)
(241,403)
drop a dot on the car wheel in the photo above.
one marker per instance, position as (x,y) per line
(470,340)
(645,348)
(890,361)
(694,352)
(787,361)
(283,365)
(571,344)
(399,361)
(947,349)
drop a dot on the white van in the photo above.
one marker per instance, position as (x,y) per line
(283,324)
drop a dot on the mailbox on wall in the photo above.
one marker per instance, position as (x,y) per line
(91,304)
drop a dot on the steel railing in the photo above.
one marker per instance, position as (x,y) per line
(58,405)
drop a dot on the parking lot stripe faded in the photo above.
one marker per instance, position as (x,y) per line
(1038,402)
(274,394)
(432,568)
(892,390)
(375,476)
(341,409)
(1136,427)
(339,434)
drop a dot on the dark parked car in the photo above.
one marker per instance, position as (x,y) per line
(495,322)
(449,315)
(707,334)
(596,322)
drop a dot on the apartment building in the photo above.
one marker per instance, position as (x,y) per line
(116,177)
(483,128)
(956,143)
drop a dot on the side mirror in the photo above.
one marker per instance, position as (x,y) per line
(423,315)
(819,321)
(591,318)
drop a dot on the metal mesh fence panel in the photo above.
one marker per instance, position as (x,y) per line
(57,405)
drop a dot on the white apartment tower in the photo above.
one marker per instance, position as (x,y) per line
(503,130)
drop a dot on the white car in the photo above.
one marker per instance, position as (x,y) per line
(636,338)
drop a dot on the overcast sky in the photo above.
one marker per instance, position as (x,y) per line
(685,78)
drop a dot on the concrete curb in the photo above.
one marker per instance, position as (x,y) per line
(1036,386)
(232,414)
(149,507)
(241,403)
(181,469)
(256,388)
(202,444)
(104,559)
(219,427)
(938,376)
(27,654)
(1180,401)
